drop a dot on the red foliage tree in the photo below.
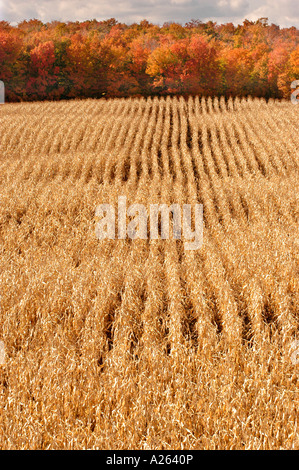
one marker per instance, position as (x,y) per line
(107,58)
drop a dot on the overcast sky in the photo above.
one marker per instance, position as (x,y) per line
(282,12)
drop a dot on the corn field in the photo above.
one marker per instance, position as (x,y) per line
(141,344)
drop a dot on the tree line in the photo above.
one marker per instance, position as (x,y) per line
(96,59)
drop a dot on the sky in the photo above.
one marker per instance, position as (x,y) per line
(282,12)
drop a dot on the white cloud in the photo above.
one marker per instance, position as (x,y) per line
(282,12)
(179,2)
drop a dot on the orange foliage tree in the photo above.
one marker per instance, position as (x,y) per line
(107,58)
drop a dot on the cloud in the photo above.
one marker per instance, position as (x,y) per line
(282,12)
